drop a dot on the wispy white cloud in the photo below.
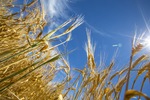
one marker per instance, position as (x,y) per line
(97,30)
(55,8)
(55,12)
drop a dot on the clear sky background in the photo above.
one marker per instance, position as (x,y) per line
(113,23)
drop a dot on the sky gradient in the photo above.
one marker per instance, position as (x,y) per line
(113,24)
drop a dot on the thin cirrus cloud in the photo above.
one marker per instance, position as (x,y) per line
(55,8)
(97,30)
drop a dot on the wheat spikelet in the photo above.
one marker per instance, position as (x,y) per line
(132,93)
(139,60)
(137,48)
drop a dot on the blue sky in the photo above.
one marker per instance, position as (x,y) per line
(111,22)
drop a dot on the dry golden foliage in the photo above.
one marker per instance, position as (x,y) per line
(27,61)
(132,93)
(28,65)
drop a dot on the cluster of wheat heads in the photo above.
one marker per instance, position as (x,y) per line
(28,62)
(96,83)
(27,58)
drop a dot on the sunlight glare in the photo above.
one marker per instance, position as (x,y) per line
(146,42)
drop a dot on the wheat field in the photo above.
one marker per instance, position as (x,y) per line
(28,61)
